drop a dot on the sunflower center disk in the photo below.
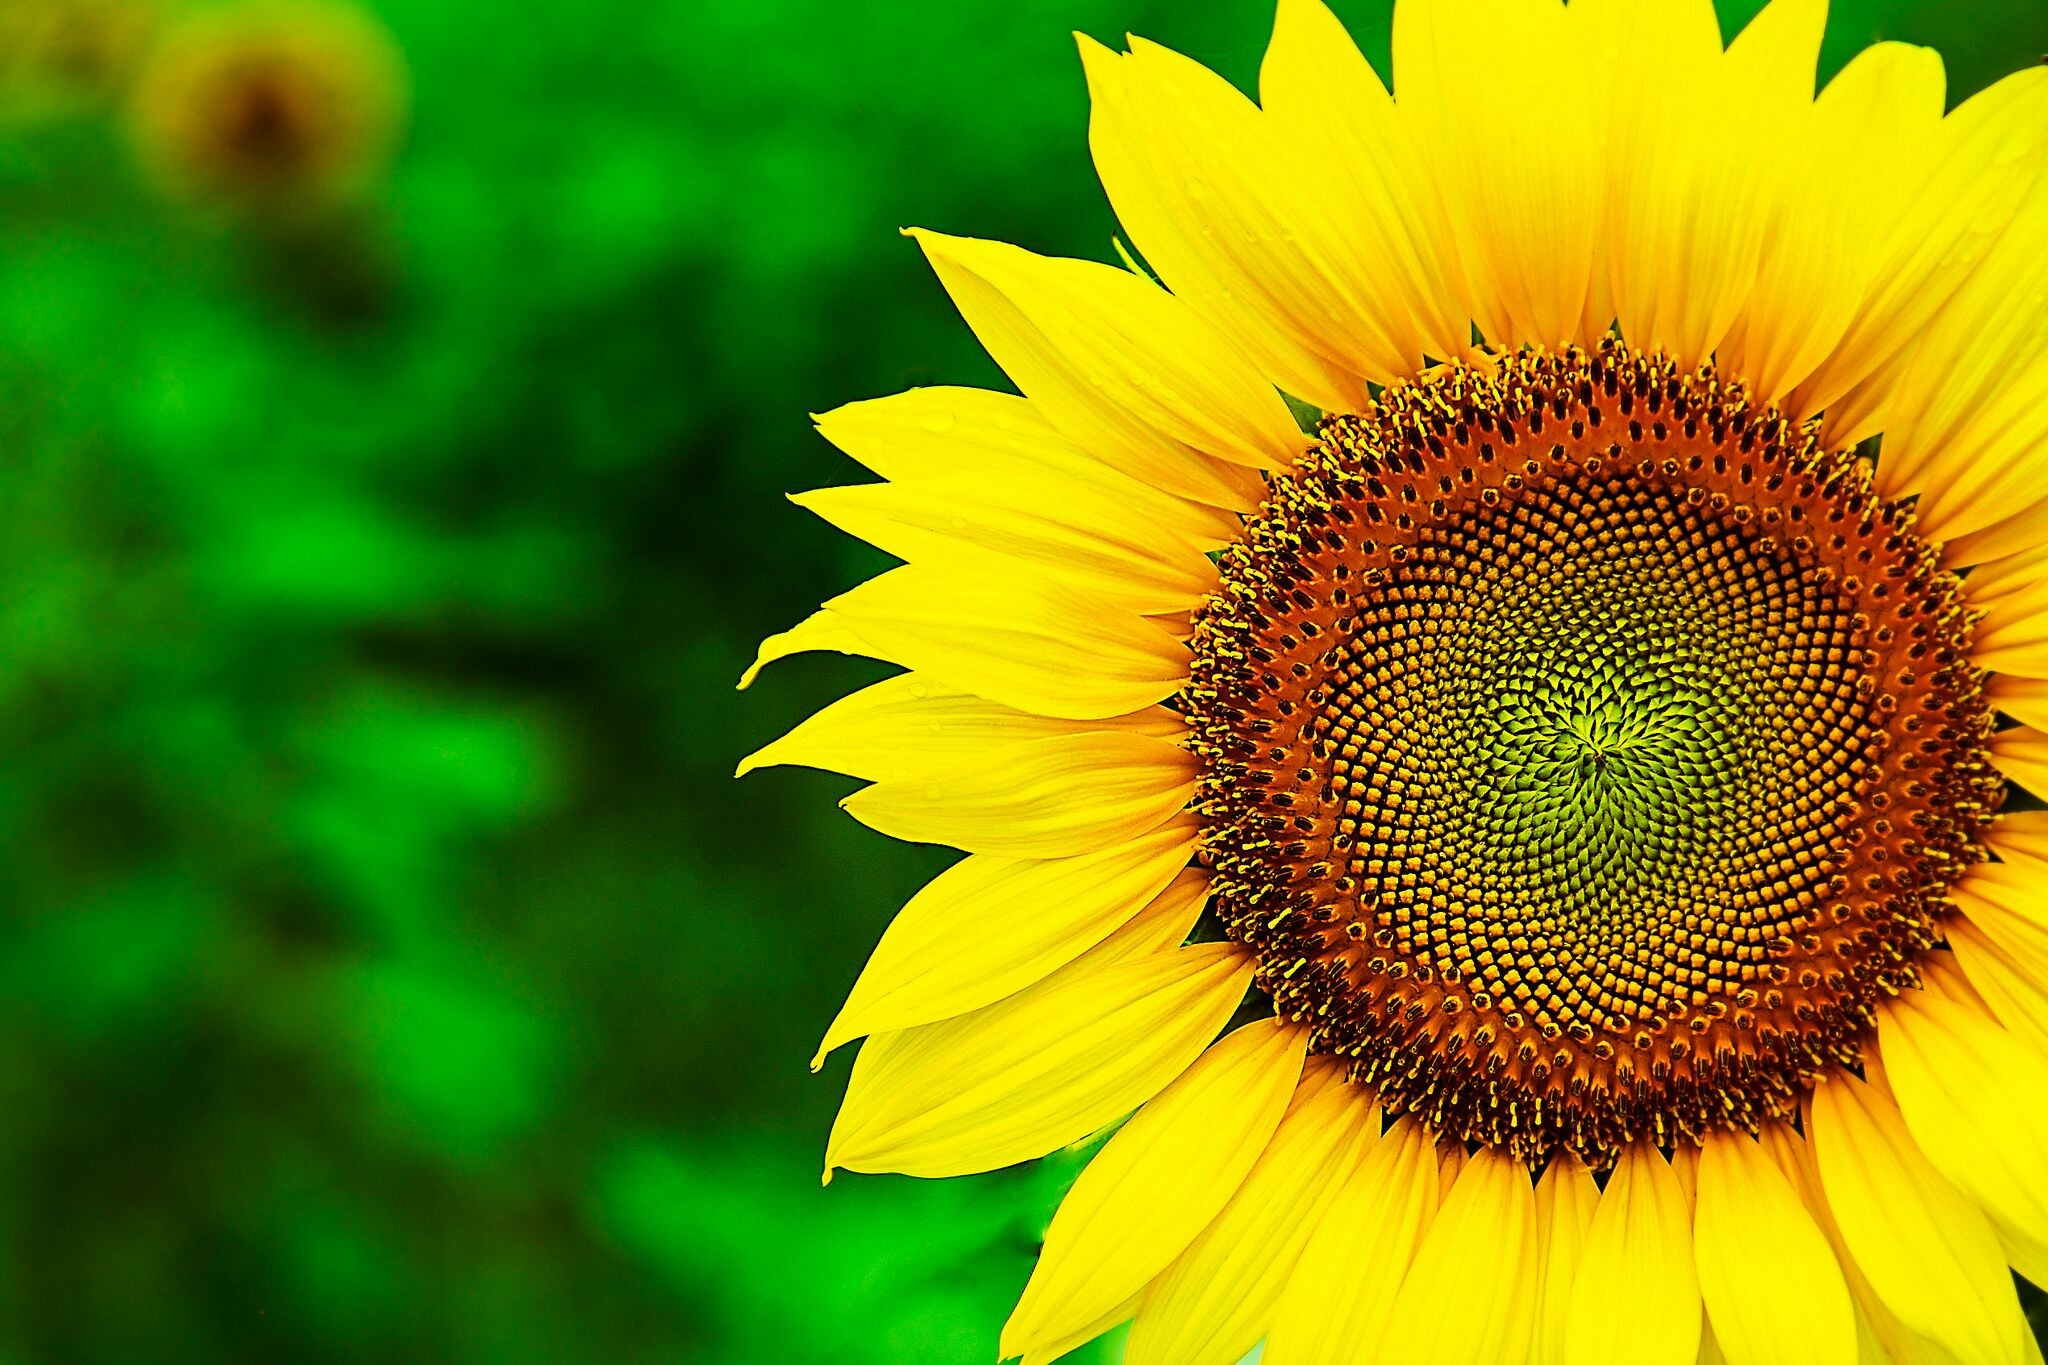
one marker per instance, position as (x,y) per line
(1586,751)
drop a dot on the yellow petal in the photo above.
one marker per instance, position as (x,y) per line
(1998,587)
(1070,533)
(2005,902)
(1939,976)
(1450,1162)
(2019,998)
(1523,197)
(1158,1183)
(909,724)
(1202,185)
(1216,1300)
(1470,1295)
(1975,1099)
(1926,1251)
(1821,251)
(1041,649)
(1772,1287)
(1342,1291)
(1041,1069)
(988,927)
(2020,834)
(2021,753)
(1565,1200)
(2016,533)
(1967,419)
(1655,68)
(1057,797)
(1699,159)
(1081,1336)
(1123,368)
(820,631)
(1956,201)
(1379,230)
(1636,1298)
(999,439)
(2023,699)
(1880,1338)
(2012,594)
(1685,1164)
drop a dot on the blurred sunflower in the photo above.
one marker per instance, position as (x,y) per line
(1587,736)
(59,57)
(270,107)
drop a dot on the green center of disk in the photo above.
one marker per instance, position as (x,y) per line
(1579,719)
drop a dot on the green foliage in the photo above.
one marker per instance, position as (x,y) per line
(391,968)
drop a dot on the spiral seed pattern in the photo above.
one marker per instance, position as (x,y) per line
(1586,751)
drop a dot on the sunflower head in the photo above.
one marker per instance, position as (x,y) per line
(1584,757)
(1586,752)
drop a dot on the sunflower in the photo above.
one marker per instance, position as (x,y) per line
(270,107)
(1478,687)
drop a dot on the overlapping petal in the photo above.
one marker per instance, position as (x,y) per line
(1161,1180)
(2024,699)
(1056,797)
(1217,1298)
(1076,534)
(1880,1337)
(1636,1297)
(2016,994)
(1218,204)
(988,927)
(1966,417)
(1379,222)
(1523,199)
(1952,207)
(957,435)
(910,724)
(1342,1291)
(1034,647)
(1854,163)
(1975,1099)
(1471,1293)
(1044,1067)
(2001,942)
(1133,375)
(2012,594)
(1565,1199)
(1697,157)
(1772,1287)
(2021,753)
(1929,1255)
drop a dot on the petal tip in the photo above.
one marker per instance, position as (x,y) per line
(835,1038)
(1092,48)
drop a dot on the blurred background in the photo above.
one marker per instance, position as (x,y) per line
(396,399)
